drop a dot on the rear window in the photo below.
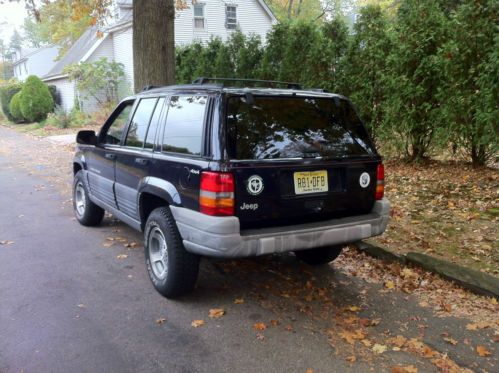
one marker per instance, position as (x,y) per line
(264,127)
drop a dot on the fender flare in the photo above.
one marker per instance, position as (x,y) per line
(79,159)
(159,188)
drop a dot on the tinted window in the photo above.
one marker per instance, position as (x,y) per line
(114,132)
(294,127)
(184,124)
(140,122)
(153,127)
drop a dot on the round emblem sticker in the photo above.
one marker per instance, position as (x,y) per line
(255,185)
(364,180)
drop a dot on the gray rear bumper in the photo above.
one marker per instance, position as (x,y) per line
(221,236)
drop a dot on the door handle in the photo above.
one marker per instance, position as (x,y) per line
(141,161)
(110,156)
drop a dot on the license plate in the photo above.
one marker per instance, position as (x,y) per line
(311,182)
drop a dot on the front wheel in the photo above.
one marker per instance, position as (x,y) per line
(87,212)
(172,270)
(320,255)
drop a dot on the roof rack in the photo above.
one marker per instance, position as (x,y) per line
(289,85)
(149,87)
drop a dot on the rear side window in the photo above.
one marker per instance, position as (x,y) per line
(294,127)
(153,127)
(184,125)
(140,122)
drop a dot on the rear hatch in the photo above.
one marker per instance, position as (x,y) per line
(298,159)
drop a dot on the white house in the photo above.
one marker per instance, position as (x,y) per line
(198,22)
(32,61)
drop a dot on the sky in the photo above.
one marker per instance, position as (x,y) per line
(12,16)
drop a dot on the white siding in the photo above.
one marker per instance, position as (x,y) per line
(123,52)
(40,63)
(105,49)
(36,63)
(66,90)
(251,18)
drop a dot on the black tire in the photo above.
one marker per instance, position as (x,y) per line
(319,256)
(177,275)
(86,212)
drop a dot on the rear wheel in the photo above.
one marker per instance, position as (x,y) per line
(172,270)
(320,255)
(87,212)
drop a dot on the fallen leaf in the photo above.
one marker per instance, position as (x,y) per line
(122,256)
(447,365)
(309,370)
(81,306)
(351,359)
(415,346)
(160,321)
(274,322)
(216,313)
(397,341)
(479,325)
(289,328)
(353,308)
(428,352)
(239,301)
(351,337)
(365,322)
(389,284)
(108,244)
(482,351)
(447,307)
(260,336)
(450,340)
(6,242)
(366,342)
(406,369)
(379,348)
(197,323)
(259,326)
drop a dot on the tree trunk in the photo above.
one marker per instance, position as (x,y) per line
(290,8)
(478,155)
(153,43)
(299,8)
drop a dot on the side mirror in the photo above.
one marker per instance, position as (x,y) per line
(86,138)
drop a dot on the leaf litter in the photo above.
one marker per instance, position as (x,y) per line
(447,210)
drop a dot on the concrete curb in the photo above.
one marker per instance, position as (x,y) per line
(475,281)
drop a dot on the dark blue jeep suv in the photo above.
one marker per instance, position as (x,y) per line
(211,170)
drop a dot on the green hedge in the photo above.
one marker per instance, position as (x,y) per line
(6,93)
(15,108)
(35,101)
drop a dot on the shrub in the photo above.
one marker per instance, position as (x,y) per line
(6,93)
(15,108)
(102,79)
(63,119)
(56,96)
(36,101)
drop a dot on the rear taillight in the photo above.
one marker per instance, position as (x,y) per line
(380,182)
(216,195)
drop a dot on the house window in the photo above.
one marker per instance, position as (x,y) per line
(199,21)
(231,17)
